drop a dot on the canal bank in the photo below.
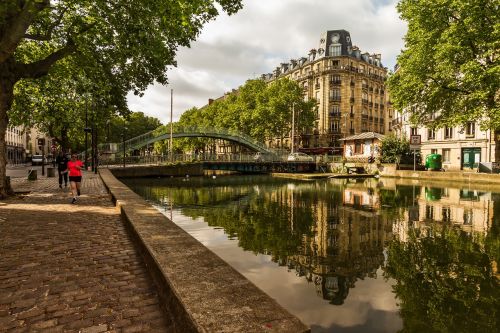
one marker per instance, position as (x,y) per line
(464,177)
(214,299)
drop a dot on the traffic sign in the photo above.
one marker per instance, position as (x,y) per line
(415,140)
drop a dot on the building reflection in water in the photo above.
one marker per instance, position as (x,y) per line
(345,244)
(437,246)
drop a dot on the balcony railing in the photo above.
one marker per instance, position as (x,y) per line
(335,114)
(335,98)
(364,101)
(335,82)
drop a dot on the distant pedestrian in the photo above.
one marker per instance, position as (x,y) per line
(75,175)
(62,166)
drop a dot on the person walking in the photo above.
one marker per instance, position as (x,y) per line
(75,175)
(62,165)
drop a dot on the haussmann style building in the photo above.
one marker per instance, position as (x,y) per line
(349,87)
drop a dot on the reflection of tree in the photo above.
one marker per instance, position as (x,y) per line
(445,281)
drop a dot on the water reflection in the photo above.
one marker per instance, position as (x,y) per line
(436,247)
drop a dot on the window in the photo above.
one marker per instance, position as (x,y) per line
(470,129)
(335,50)
(468,216)
(429,212)
(448,132)
(434,151)
(358,148)
(335,78)
(335,94)
(335,110)
(446,155)
(335,126)
(446,214)
(413,131)
(431,134)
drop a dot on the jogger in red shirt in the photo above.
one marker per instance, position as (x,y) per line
(75,176)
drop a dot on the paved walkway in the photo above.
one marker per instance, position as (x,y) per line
(71,268)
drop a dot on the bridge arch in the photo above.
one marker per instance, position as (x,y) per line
(192,132)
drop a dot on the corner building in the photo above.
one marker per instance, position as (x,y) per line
(349,87)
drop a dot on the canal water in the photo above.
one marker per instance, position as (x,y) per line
(350,256)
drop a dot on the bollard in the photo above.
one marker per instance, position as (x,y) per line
(32,174)
(51,172)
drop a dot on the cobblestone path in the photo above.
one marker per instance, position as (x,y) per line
(71,268)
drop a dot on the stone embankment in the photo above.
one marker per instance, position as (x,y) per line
(203,292)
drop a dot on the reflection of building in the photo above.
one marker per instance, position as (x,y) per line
(348,86)
(471,210)
(346,242)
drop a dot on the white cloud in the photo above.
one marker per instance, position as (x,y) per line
(263,34)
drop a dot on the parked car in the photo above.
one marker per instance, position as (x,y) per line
(38,159)
(262,157)
(299,157)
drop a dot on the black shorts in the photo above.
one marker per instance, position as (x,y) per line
(76,179)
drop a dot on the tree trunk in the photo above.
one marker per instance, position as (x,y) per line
(6,98)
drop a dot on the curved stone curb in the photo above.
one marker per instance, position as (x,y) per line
(202,291)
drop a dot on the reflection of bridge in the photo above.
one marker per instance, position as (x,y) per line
(260,167)
(192,132)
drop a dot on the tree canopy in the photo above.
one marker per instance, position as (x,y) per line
(257,109)
(118,45)
(449,69)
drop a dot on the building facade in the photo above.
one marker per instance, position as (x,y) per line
(15,139)
(348,86)
(460,147)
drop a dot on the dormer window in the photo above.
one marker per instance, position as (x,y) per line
(335,50)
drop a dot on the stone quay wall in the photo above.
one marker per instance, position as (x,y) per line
(203,292)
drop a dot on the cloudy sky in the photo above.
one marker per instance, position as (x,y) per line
(265,33)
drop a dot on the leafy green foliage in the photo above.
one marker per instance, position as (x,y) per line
(115,46)
(256,109)
(393,148)
(445,281)
(450,64)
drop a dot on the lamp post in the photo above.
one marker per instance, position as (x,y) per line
(171,126)
(86,130)
(123,144)
(293,126)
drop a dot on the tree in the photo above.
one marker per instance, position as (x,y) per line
(394,148)
(137,123)
(449,68)
(444,280)
(257,109)
(128,43)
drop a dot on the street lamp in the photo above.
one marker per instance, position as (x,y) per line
(293,127)
(86,130)
(123,144)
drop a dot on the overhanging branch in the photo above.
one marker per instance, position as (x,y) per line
(16,27)
(39,68)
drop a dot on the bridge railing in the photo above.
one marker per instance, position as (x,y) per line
(112,159)
(141,140)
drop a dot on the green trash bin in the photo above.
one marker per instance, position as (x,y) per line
(433,162)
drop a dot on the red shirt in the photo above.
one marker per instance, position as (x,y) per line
(73,170)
